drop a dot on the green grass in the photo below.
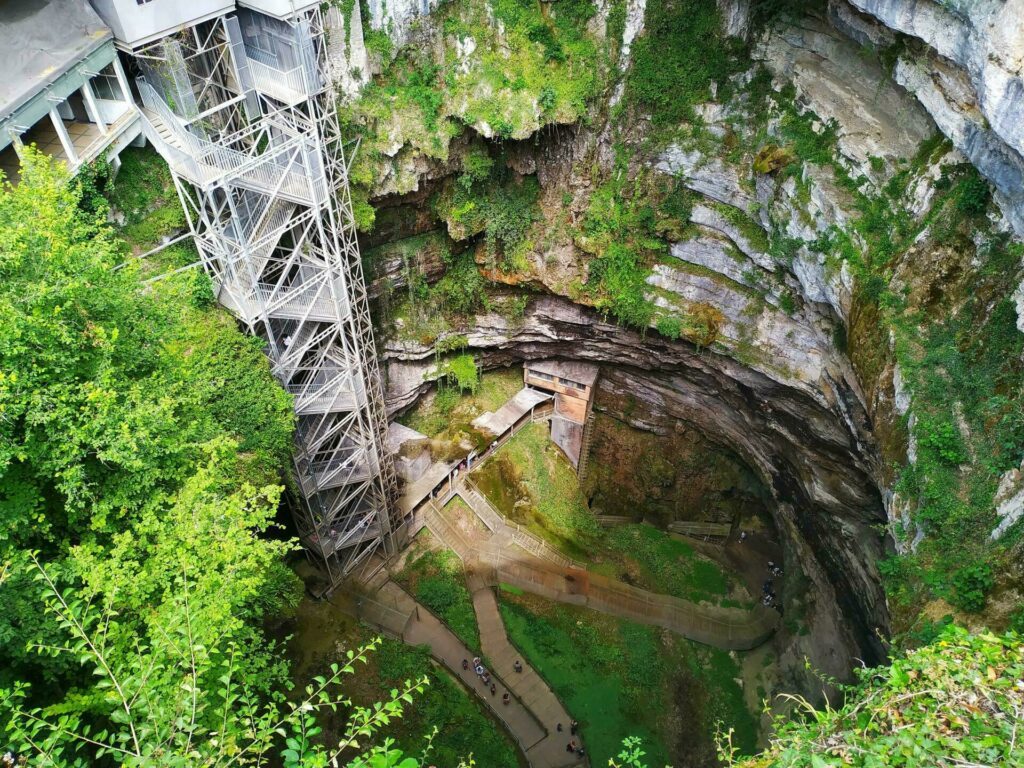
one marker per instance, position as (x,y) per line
(433,418)
(144,193)
(623,679)
(672,563)
(529,468)
(437,579)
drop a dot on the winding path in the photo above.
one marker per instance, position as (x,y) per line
(510,555)
(532,713)
(502,552)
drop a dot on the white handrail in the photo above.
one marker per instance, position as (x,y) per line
(264,170)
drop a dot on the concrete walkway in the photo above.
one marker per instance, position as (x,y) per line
(532,712)
(510,555)
(528,686)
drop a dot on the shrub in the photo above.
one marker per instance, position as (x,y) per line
(446,399)
(972,194)
(954,702)
(943,438)
(971,585)
(708,321)
(772,157)
(669,326)
(1017,621)
(787,303)
(461,290)
(547,98)
(463,369)
(476,166)
(509,214)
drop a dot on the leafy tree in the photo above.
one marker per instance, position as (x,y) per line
(143,446)
(177,701)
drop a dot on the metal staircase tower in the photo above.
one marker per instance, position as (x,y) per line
(242,108)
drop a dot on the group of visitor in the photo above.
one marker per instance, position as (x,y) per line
(485,676)
(768,597)
(572,745)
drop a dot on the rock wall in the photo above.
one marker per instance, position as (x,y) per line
(965,65)
(826,502)
(776,387)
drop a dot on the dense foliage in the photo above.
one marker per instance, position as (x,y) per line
(436,579)
(958,701)
(142,449)
(679,59)
(505,68)
(489,199)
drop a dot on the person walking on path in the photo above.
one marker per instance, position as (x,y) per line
(465,665)
(494,689)
(573,727)
(505,698)
(518,666)
(558,727)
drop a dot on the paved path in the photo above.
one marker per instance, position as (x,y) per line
(531,713)
(528,686)
(515,557)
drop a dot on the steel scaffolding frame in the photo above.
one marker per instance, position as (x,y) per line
(258,161)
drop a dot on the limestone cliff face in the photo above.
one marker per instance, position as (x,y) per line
(790,382)
(968,75)
(966,67)
(811,459)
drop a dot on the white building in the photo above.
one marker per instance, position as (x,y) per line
(63,87)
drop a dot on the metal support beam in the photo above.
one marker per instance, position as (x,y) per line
(65,139)
(16,142)
(94,110)
(122,79)
(267,200)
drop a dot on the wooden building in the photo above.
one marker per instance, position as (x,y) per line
(572,384)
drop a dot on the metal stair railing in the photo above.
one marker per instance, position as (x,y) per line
(289,86)
(520,536)
(308,395)
(213,162)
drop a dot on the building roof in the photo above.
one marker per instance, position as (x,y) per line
(581,373)
(399,435)
(496,423)
(40,40)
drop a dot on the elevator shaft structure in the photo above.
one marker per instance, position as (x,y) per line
(241,106)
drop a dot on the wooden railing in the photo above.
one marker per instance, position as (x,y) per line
(445,489)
